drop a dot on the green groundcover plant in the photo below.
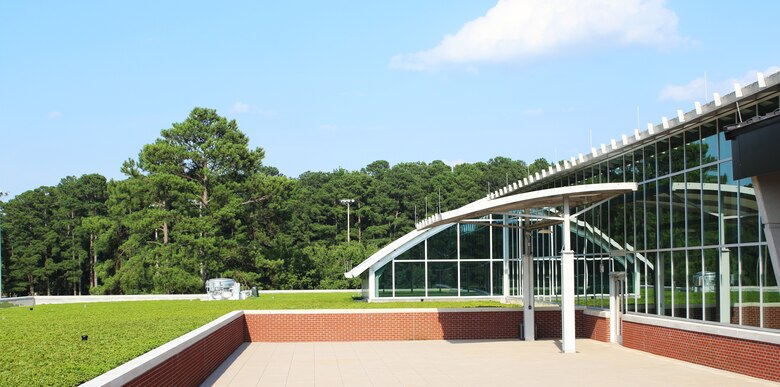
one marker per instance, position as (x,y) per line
(43,345)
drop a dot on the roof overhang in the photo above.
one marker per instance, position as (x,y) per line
(578,195)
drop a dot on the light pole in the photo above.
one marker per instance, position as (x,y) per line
(2,193)
(347,202)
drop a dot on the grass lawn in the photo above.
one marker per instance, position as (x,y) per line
(43,346)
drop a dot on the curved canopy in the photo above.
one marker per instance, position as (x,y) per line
(579,195)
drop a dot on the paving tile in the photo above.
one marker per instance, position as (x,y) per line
(460,363)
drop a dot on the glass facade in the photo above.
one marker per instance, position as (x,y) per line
(463,260)
(689,239)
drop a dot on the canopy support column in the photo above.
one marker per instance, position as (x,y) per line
(567,283)
(528,284)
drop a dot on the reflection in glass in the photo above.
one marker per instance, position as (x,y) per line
(444,245)
(498,278)
(748,212)
(768,105)
(616,170)
(639,166)
(750,279)
(710,214)
(474,241)
(384,280)
(442,279)
(692,148)
(730,119)
(679,284)
(664,214)
(771,293)
(695,282)
(729,213)
(662,157)
(693,207)
(498,239)
(651,216)
(650,167)
(415,253)
(709,285)
(651,287)
(639,217)
(666,286)
(677,156)
(678,210)
(709,143)
(732,256)
(475,279)
(409,279)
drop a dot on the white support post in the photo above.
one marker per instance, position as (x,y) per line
(505,254)
(528,285)
(567,283)
(725,285)
(372,284)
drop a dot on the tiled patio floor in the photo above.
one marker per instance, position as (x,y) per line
(460,363)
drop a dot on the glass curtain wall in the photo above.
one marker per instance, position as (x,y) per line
(464,260)
(689,239)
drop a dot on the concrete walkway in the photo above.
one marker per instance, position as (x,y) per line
(460,363)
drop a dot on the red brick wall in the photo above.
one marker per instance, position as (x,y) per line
(751,316)
(596,328)
(548,324)
(383,326)
(401,326)
(747,357)
(194,364)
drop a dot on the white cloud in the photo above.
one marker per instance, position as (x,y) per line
(518,30)
(695,89)
(240,107)
(55,115)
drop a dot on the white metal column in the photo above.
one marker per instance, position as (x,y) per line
(567,283)
(528,283)
(505,254)
(617,294)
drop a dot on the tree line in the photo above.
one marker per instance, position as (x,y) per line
(198,203)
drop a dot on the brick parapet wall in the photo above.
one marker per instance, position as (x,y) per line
(383,325)
(753,358)
(595,327)
(196,359)
(193,365)
(186,360)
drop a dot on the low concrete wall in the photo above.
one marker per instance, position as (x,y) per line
(185,361)
(17,301)
(42,300)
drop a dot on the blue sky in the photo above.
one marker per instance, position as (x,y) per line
(329,84)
